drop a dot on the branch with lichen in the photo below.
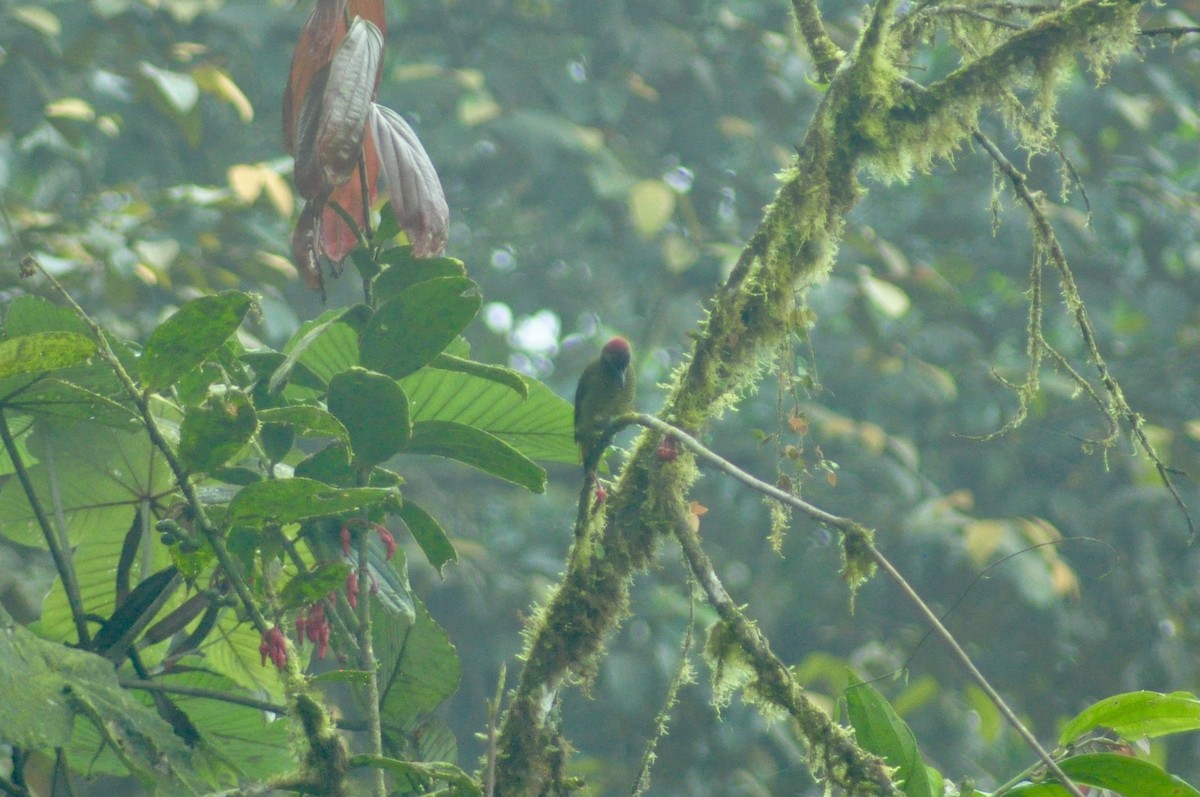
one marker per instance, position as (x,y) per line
(826,55)
(1048,247)
(869,119)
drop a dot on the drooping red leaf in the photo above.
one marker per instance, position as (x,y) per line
(322,32)
(412,183)
(346,101)
(310,177)
(337,238)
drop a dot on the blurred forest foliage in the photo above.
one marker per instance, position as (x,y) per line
(604,162)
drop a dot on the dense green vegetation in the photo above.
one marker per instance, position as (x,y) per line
(606,166)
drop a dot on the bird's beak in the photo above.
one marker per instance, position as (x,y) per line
(624,376)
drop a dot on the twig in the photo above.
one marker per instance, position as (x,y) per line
(641,781)
(65,571)
(1176,30)
(366,660)
(1118,404)
(843,762)
(826,55)
(489,776)
(716,592)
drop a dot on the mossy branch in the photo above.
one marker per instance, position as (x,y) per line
(826,55)
(866,118)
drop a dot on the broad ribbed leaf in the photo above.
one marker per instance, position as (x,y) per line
(477,449)
(539,426)
(412,183)
(418,668)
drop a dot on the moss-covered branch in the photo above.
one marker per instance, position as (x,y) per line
(868,118)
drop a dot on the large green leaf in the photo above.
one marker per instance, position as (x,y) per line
(429,535)
(296,499)
(1125,775)
(217,430)
(478,449)
(28,314)
(408,331)
(879,729)
(404,270)
(374,410)
(540,426)
(85,474)
(459,783)
(47,686)
(308,421)
(190,336)
(1137,715)
(40,352)
(240,736)
(495,373)
(419,669)
(326,345)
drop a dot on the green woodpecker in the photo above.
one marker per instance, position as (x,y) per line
(605,391)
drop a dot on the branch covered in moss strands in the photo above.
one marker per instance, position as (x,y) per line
(867,118)
(831,749)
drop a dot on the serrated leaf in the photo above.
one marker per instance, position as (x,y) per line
(434,541)
(214,432)
(540,426)
(190,336)
(879,729)
(478,449)
(1137,715)
(408,331)
(297,499)
(374,410)
(417,199)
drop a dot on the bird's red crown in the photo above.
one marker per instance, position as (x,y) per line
(617,351)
